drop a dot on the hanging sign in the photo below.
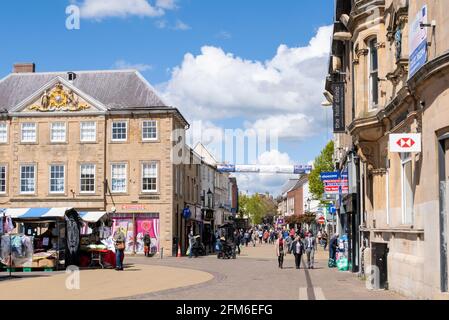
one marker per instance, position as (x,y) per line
(404,143)
(339,107)
(186,213)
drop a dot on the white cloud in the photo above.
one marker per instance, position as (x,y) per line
(100,9)
(122,64)
(217,85)
(181,26)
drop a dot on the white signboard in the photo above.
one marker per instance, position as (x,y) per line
(405,142)
(418,42)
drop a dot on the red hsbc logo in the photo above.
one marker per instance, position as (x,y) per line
(406,142)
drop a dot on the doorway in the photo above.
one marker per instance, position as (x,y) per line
(380,258)
(443,164)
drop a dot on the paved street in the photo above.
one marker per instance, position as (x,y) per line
(255,275)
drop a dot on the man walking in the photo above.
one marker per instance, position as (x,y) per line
(310,249)
(280,250)
(191,242)
(297,248)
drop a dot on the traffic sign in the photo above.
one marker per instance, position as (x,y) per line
(321,220)
(405,142)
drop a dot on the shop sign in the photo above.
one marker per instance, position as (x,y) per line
(186,213)
(133,207)
(405,143)
(339,107)
(418,42)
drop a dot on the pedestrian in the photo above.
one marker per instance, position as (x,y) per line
(280,250)
(265,236)
(292,232)
(119,239)
(288,242)
(333,248)
(191,242)
(146,244)
(310,244)
(297,248)
(260,236)
(247,235)
(325,236)
(319,236)
(237,240)
(255,237)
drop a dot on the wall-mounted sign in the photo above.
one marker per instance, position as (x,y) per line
(339,107)
(186,213)
(418,42)
(133,207)
(404,143)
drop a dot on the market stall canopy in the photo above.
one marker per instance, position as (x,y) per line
(35,213)
(42,213)
(92,216)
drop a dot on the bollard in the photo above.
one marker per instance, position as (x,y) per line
(162,253)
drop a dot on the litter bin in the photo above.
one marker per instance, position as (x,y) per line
(175,247)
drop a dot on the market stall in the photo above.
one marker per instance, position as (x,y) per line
(48,238)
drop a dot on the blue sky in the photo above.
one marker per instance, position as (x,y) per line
(239,37)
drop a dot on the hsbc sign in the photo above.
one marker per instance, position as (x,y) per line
(405,142)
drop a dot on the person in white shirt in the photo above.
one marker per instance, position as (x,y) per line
(310,243)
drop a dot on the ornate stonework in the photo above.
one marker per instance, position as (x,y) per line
(59,99)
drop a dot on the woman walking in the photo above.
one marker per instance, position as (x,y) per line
(280,250)
(298,251)
(119,238)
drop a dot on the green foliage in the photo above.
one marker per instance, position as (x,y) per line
(323,163)
(256,207)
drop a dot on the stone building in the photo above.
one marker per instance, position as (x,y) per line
(389,73)
(93,141)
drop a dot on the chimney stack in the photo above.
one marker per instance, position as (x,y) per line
(24,68)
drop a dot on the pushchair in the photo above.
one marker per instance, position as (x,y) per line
(226,250)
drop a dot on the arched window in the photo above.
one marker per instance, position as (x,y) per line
(373,74)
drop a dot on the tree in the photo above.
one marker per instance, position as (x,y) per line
(256,207)
(323,163)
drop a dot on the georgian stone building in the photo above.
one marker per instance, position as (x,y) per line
(93,141)
(396,211)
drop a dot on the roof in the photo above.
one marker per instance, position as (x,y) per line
(116,89)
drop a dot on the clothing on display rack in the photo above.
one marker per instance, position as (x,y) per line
(17,247)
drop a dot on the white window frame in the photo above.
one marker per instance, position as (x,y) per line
(151,163)
(95,131)
(4,128)
(372,42)
(94,178)
(155,126)
(50,178)
(54,124)
(34,179)
(22,125)
(126,177)
(406,159)
(6,178)
(126,130)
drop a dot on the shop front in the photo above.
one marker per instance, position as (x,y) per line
(135,226)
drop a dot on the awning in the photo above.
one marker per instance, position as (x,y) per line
(35,213)
(92,216)
(42,213)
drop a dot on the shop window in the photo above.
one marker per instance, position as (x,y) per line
(57,179)
(149,177)
(58,132)
(149,130)
(87,178)
(88,131)
(118,178)
(3,132)
(407,189)
(2,179)
(28,132)
(119,131)
(373,74)
(27,179)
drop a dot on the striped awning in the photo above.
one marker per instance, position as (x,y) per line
(42,213)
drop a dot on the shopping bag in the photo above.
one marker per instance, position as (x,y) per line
(331,263)
(342,264)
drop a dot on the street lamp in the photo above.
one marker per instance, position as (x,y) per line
(308,202)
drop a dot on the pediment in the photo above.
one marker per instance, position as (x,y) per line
(59,96)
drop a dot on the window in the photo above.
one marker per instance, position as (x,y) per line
(149,130)
(118,172)
(3,132)
(2,179)
(407,189)
(373,74)
(28,132)
(149,177)
(88,131)
(87,178)
(27,179)
(57,179)
(119,131)
(58,132)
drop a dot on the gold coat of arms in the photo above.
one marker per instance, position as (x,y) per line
(59,99)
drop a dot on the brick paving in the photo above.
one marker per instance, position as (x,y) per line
(255,276)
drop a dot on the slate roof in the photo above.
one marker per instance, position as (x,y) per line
(116,89)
